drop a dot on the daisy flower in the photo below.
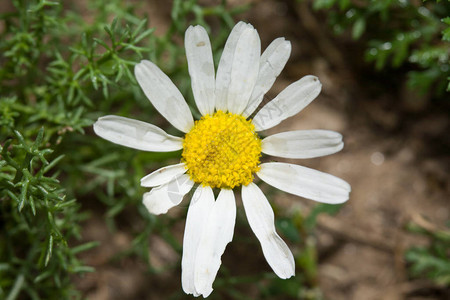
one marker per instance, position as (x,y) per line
(222,150)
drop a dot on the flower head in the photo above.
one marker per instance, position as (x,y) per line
(223,150)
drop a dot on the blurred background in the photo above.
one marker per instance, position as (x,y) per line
(72,225)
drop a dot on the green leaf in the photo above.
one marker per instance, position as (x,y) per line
(358,28)
(17,287)
(84,247)
(446,31)
(48,255)
(323,4)
(288,229)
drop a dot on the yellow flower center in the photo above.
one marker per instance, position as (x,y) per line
(222,151)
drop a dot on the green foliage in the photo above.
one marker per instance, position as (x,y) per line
(37,221)
(432,261)
(398,34)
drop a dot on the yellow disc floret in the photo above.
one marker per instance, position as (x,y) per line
(222,151)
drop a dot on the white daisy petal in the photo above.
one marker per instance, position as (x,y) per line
(288,103)
(271,64)
(199,210)
(261,219)
(244,70)
(136,134)
(223,75)
(162,198)
(302,143)
(217,233)
(305,182)
(164,95)
(201,68)
(163,175)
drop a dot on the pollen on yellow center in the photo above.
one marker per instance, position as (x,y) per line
(222,151)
